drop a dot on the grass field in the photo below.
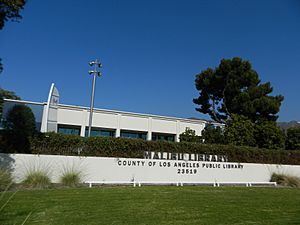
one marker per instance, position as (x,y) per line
(154,205)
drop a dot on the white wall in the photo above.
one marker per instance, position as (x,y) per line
(134,123)
(160,125)
(103,120)
(74,115)
(70,116)
(108,169)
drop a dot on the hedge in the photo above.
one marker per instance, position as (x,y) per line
(59,144)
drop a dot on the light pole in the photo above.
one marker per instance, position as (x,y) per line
(95,73)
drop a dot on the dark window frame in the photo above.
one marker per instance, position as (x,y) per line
(100,129)
(163,137)
(69,127)
(142,135)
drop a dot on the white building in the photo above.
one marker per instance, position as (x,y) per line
(52,116)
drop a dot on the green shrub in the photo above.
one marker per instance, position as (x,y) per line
(59,144)
(5,179)
(37,178)
(71,177)
(293,138)
(285,180)
(240,131)
(189,135)
(269,135)
(213,135)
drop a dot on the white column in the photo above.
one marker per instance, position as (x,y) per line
(118,130)
(83,122)
(44,119)
(177,131)
(149,134)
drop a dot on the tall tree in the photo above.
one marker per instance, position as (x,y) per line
(10,10)
(235,88)
(19,128)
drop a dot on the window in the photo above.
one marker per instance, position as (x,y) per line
(163,137)
(68,129)
(134,134)
(96,132)
(37,110)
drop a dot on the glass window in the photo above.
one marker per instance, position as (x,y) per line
(163,137)
(37,110)
(134,134)
(67,129)
(96,132)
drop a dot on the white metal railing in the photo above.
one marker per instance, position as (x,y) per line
(180,183)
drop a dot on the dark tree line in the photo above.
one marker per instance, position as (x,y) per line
(242,132)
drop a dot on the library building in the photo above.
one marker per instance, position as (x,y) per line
(51,116)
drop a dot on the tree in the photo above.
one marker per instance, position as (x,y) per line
(1,66)
(19,127)
(21,119)
(240,131)
(10,10)
(269,135)
(213,135)
(235,88)
(189,135)
(6,94)
(264,134)
(293,138)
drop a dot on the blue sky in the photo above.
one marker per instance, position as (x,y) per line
(150,50)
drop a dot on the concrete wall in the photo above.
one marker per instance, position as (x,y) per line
(121,169)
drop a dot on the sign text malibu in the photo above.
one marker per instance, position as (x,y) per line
(185,156)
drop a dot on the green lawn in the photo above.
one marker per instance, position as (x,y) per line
(154,205)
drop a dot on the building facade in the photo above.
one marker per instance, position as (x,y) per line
(68,119)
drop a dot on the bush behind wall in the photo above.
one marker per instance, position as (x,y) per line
(59,144)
